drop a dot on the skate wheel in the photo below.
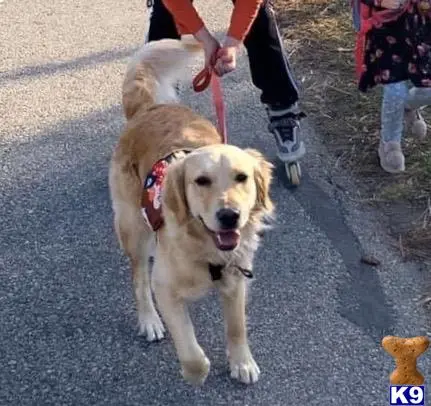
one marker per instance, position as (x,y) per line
(293,171)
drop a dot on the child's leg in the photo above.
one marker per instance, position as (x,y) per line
(270,70)
(271,73)
(392,120)
(161,24)
(418,97)
(392,113)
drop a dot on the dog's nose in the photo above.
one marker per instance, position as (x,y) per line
(228,218)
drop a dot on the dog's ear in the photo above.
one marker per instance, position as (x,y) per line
(174,194)
(263,178)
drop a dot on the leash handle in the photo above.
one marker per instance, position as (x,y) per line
(203,78)
(201,82)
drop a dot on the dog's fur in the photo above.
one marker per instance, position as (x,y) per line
(185,246)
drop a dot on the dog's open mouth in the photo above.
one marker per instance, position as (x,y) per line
(226,240)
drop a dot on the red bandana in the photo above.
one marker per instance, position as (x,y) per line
(151,202)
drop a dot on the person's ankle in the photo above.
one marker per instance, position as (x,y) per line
(283,106)
(294,107)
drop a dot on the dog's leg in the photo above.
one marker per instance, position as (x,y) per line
(136,240)
(194,364)
(242,365)
(150,324)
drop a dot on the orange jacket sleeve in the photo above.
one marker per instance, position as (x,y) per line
(185,15)
(243,16)
(189,22)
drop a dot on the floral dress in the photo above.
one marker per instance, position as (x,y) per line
(399,50)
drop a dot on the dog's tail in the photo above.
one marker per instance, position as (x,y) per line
(153,72)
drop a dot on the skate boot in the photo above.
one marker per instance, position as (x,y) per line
(284,124)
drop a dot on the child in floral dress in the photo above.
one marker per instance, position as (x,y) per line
(393,49)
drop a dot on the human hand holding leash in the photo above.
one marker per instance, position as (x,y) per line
(219,60)
(210,45)
(226,57)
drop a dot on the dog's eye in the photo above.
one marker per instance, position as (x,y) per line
(203,181)
(241,177)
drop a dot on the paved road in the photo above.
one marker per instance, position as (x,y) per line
(68,335)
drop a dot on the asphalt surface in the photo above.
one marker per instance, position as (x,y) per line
(67,324)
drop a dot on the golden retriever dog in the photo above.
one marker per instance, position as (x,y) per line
(214,200)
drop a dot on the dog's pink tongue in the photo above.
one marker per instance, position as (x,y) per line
(227,240)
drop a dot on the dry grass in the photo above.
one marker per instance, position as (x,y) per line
(322,39)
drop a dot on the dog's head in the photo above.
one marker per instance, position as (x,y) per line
(223,187)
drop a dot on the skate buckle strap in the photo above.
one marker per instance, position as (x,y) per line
(201,82)
(287,121)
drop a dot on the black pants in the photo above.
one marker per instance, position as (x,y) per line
(270,70)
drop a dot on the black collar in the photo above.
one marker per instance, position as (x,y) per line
(216,271)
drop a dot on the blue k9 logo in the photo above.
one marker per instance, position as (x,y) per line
(407,395)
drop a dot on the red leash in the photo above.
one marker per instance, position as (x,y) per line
(202,80)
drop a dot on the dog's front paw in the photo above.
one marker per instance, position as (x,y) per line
(196,371)
(243,367)
(151,326)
